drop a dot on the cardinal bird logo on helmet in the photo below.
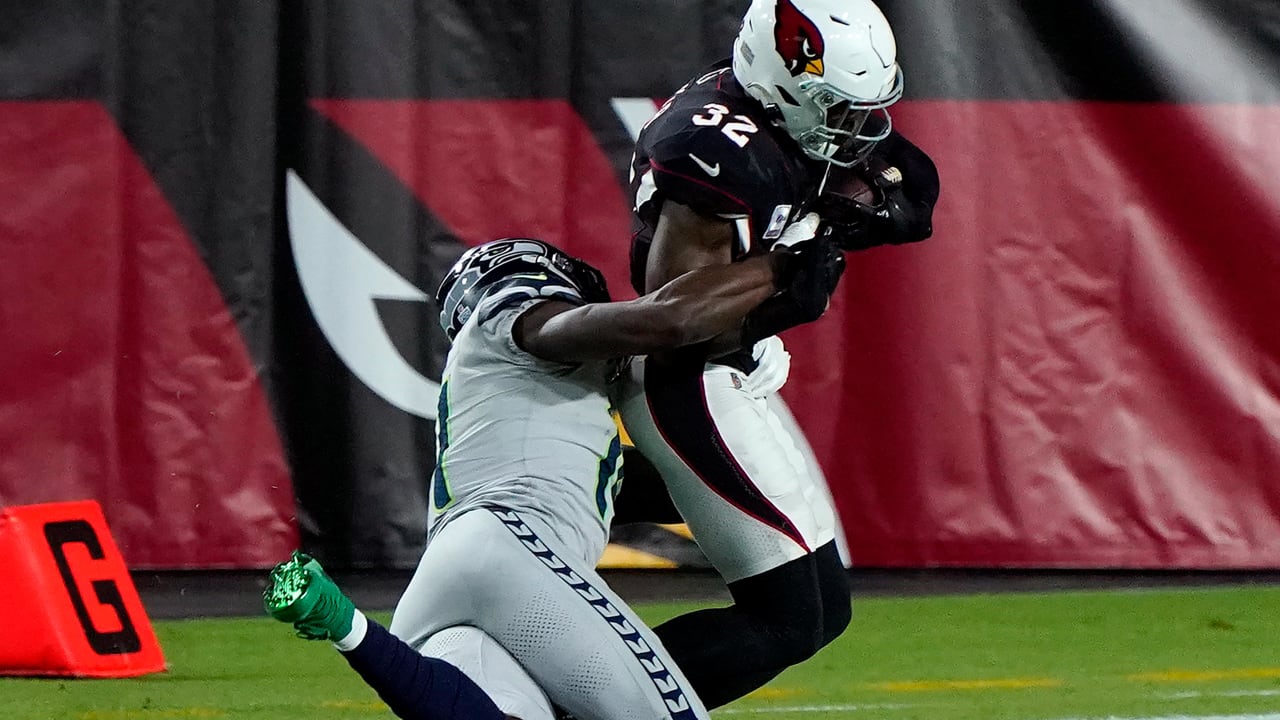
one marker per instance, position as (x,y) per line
(799,40)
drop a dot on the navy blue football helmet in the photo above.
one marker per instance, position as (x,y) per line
(518,269)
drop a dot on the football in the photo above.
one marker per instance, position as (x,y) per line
(848,184)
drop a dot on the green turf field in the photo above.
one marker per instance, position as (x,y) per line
(1136,654)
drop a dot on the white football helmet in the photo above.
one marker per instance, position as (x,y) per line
(824,66)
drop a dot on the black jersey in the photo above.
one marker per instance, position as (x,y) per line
(713,149)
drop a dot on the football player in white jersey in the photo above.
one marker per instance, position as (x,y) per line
(529,461)
(794,122)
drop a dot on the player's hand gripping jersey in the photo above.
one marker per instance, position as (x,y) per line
(713,149)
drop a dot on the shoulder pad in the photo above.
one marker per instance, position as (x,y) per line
(517,289)
(708,170)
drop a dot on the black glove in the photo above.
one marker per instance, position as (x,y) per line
(809,274)
(904,184)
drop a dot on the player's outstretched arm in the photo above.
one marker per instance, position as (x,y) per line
(685,239)
(692,308)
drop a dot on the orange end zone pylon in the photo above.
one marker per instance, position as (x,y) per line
(69,605)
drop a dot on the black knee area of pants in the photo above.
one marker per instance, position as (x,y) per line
(800,606)
(788,630)
(833,586)
(779,618)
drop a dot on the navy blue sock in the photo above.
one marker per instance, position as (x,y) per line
(416,687)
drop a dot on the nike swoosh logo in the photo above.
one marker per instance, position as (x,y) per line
(712,170)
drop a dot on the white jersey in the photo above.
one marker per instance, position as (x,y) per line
(518,432)
(528,465)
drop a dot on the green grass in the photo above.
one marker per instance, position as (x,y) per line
(1080,655)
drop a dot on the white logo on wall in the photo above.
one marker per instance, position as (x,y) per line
(341,279)
(634,113)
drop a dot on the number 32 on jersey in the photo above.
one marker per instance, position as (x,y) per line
(738,130)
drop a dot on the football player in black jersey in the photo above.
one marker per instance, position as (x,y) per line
(745,158)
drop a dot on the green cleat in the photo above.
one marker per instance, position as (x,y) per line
(301,593)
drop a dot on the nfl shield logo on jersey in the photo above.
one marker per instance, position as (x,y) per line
(778,222)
